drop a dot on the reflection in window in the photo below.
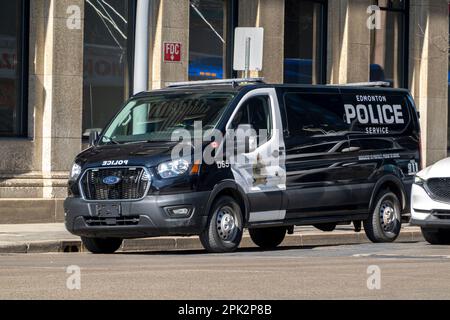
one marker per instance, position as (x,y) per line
(303,44)
(108,50)
(208,38)
(255,112)
(315,115)
(387,53)
(11,109)
(156,118)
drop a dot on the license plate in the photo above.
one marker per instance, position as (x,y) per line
(109,210)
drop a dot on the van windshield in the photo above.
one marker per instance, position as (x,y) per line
(156,118)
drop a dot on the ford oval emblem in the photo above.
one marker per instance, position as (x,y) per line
(111,180)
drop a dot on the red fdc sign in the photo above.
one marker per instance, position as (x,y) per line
(172,52)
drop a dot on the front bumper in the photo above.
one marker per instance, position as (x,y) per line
(428,213)
(138,219)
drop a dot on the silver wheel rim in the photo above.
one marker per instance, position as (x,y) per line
(227,224)
(388,216)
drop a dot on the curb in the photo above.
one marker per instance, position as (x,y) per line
(193,243)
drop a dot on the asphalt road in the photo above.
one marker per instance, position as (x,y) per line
(407,271)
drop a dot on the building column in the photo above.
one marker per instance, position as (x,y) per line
(348,41)
(267,14)
(428,76)
(169,23)
(34,184)
(59,73)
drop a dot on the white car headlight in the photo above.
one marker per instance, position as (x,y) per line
(173,168)
(75,172)
(419,181)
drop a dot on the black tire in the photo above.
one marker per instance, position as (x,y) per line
(326,227)
(436,236)
(387,229)
(101,246)
(268,238)
(225,226)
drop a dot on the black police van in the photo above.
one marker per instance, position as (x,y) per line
(310,155)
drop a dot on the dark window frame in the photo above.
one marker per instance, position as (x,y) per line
(23,72)
(404,56)
(131,46)
(233,23)
(323,39)
(232,7)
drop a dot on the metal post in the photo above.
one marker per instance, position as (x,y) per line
(141,63)
(247,57)
(141,47)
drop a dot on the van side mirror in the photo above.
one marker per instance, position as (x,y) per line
(93,138)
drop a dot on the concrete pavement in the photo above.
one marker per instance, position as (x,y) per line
(406,271)
(53,238)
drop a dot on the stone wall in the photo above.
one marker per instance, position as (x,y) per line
(33,171)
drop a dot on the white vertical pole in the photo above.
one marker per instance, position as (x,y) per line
(141,55)
(247,58)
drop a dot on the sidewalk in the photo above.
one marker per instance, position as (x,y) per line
(53,238)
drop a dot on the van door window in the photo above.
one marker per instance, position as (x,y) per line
(315,115)
(255,112)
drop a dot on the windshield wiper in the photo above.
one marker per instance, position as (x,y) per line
(148,141)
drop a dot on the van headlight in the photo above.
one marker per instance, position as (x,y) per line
(75,172)
(173,168)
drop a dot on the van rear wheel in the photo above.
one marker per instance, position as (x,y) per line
(384,222)
(436,236)
(268,238)
(101,246)
(225,227)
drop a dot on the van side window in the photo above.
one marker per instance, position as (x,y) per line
(256,112)
(377,114)
(315,114)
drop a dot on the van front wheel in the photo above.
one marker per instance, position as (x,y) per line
(268,238)
(384,222)
(101,246)
(224,230)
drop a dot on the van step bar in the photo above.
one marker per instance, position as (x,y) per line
(232,82)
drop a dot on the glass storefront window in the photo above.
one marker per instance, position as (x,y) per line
(12,77)
(210,34)
(108,57)
(304,41)
(387,49)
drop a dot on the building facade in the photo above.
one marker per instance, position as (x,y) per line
(66,66)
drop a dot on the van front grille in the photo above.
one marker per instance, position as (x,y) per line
(115,184)
(439,189)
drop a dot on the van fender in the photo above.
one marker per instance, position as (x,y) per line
(389,178)
(230,185)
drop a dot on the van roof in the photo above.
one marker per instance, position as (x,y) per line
(252,86)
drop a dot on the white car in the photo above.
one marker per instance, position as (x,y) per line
(430,202)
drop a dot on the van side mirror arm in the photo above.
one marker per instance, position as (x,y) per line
(93,138)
